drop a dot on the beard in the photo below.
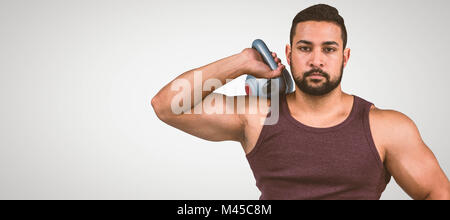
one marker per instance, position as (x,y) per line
(323,88)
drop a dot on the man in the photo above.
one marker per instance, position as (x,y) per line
(326,144)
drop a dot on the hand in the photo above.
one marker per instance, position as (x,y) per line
(255,66)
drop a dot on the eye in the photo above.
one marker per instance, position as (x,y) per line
(304,48)
(329,49)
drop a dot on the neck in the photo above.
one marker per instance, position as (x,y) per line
(317,105)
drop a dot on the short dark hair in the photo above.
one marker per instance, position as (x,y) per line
(320,12)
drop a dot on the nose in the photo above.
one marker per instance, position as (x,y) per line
(316,59)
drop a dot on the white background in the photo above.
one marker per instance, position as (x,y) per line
(77,77)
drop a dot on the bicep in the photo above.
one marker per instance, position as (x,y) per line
(216,118)
(411,163)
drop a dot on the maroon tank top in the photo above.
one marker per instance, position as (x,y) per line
(294,161)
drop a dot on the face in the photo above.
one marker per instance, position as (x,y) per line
(316,57)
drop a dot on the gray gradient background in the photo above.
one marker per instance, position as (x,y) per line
(77,77)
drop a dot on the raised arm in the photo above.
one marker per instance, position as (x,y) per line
(208,115)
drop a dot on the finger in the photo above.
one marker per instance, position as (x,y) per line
(274,54)
(277,72)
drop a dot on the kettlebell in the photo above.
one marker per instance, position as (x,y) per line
(262,87)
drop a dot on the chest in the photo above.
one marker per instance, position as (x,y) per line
(254,127)
(319,159)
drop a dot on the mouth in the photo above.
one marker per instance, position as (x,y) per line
(316,75)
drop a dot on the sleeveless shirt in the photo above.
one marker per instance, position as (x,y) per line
(293,161)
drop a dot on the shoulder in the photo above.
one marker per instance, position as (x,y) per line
(390,119)
(392,128)
(256,110)
(255,106)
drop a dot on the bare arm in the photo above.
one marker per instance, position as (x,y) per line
(410,161)
(208,115)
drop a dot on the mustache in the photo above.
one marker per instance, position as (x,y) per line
(320,71)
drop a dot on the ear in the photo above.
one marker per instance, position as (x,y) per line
(288,53)
(346,56)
